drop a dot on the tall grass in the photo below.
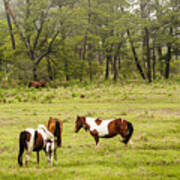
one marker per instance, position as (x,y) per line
(154,110)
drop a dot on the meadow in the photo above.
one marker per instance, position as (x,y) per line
(154,110)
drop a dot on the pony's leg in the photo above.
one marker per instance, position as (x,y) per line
(37,156)
(55,154)
(131,144)
(27,157)
(96,139)
(95,135)
(50,158)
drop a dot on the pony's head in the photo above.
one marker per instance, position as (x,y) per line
(79,123)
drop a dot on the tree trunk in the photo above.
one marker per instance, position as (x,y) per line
(148,54)
(135,56)
(66,66)
(143,16)
(168,58)
(35,72)
(143,53)
(159,50)
(116,56)
(83,56)
(107,67)
(115,68)
(9,25)
(154,62)
(119,62)
(1,64)
(49,68)
(108,60)
(90,71)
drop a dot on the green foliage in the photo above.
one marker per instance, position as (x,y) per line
(88,31)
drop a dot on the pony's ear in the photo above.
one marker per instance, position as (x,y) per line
(78,116)
(50,117)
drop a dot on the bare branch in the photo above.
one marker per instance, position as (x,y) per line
(39,30)
(10,11)
(48,50)
(10,25)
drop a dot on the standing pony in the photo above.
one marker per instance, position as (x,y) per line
(105,128)
(55,126)
(37,84)
(36,140)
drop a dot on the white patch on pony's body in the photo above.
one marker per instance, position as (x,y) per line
(46,134)
(30,144)
(102,128)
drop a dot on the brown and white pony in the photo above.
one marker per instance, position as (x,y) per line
(55,126)
(37,84)
(36,140)
(105,128)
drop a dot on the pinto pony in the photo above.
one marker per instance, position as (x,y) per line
(55,126)
(37,84)
(105,128)
(36,140)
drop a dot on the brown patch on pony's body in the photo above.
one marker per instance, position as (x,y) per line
(55,126)
(117,126)
(98,121)
(39,143)
(28,136)
(37,84)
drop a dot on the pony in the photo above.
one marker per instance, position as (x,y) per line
(36,140)
(105,128)
(37,84)
(55,126)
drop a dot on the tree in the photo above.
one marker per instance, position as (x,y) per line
(32,19)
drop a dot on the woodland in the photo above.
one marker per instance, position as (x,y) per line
(89,40)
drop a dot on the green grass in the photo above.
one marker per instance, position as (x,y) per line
(154,111)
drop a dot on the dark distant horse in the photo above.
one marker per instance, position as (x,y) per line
(36,140)
(105,128)
(37,84)
(55,126)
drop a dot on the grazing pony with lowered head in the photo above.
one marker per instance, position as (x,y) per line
(36,140)
(37,84)
(55,126)
(105,128)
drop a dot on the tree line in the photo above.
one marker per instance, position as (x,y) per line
(89,39)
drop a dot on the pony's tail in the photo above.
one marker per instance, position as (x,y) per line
(22,145)
(130,132)
(58,133)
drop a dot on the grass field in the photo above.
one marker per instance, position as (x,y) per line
(154,111)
